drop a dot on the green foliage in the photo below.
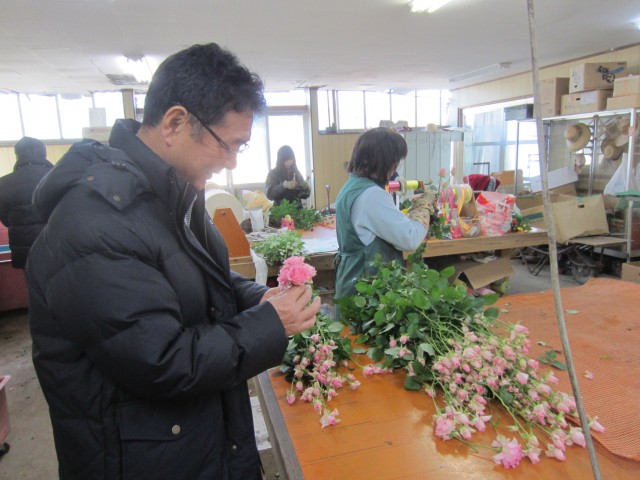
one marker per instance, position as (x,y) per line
(413,309)
(303,218)
(329,332)
(277,248)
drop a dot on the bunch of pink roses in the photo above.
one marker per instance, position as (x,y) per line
(313,356)
(481,365)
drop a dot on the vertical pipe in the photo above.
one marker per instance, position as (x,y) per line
(553,251)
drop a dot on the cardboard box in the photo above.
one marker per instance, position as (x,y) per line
(555,179)
(5,426)
(626,86)
(573,217)
(482,274)
(628,101)
(532,208)
(551,92)
(631,272)
(593,76)
(531,200)
(584,102)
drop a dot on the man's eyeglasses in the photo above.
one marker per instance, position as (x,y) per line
(222,143)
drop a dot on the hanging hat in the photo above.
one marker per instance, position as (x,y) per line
(623,136)
(577,136)
(610,150)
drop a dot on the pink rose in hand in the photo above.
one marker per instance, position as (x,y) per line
(295,272)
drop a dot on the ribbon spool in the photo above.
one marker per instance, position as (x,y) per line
(394,186)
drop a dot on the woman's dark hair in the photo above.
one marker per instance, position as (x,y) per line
(377,153)
(285,153)
(208,81)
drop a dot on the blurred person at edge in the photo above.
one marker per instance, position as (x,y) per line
(143,339)
(285,182)
(17,212)
(367,220)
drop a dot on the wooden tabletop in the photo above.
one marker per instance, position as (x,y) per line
(386,432)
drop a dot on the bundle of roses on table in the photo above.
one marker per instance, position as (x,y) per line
(452,346)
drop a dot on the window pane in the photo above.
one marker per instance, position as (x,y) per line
(10,127)
(378,107)
(432,107)
(74,115)
(293,97)
(252,164)
(138,100)
(403,107)
(325,110)
(40,116)
(350,110)
(112,103)
(288,130)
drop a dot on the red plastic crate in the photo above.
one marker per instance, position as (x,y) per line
(5,427)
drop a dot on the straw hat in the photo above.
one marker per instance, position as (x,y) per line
(623,137)
(610,150)
(577,136)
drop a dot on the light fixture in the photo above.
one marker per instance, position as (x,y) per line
(139,66)
(429,6)
(481,72)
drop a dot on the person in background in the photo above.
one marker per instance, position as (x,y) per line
(17,212)
(143,338)
(367,220)
(285,182)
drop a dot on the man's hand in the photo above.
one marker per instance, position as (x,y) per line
(293,308)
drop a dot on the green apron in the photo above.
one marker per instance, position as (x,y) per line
(354,257)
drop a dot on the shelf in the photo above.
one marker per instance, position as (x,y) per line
(602,113)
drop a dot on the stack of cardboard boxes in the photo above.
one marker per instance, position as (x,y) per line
(590,85)
(626,93)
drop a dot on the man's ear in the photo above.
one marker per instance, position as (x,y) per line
(175,123)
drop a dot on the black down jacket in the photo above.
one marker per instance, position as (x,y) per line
(142,337)
(16,209)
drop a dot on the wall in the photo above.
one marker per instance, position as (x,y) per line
(521,86)
(331,153)
(55,151)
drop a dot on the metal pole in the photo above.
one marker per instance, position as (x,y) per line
(553,251)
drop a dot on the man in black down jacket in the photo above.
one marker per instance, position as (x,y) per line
(16,189)
(143,339)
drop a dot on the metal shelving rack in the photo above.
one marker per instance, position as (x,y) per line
(598,124)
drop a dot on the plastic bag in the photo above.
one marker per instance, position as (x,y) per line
(495,212)
(618,181)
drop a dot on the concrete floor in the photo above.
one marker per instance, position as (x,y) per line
(32,455)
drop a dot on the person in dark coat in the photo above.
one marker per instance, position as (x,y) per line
(17,212)
(143,338)
(285,182)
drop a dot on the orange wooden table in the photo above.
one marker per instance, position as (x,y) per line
(386,432)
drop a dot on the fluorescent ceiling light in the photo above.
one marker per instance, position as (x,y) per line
(481,72)
(429,6)
(139,66)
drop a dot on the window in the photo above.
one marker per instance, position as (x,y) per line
(350,110)
(112,103)
(377,107)
(74,114)
(496,144)
(252,165)
(40,116)
(284,99)
(288,130)
(10,120)
(326,110)
(403,107)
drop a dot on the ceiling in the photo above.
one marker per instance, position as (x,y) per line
(68,46)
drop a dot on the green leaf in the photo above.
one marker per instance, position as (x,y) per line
(359,350)
(505,396)
(447,272)
(491,312)
(559,365)
(335,327)
(571,312)
(362,339)
(380,317)
(393,351)
(544,360)
(359,302)
(427,348)
(375,354)
(550,354)
(412,383)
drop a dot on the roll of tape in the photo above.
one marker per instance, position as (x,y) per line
(215,198)
(412,184)
(394,186)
